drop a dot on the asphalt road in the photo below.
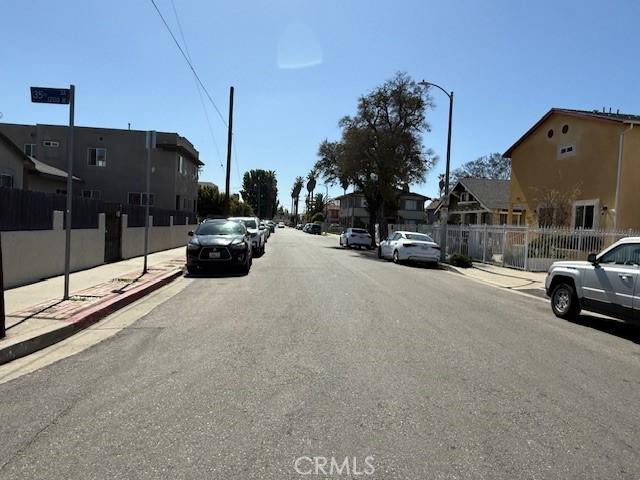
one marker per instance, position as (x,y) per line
(325,352)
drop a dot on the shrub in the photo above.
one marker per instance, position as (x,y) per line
(460,260)
(318,217)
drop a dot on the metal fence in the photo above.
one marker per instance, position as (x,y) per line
(525,248)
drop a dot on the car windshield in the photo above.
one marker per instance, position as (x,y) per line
(219,228)
(418,237)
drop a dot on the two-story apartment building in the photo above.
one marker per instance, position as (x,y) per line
(590,159)
(353,209)
(110,164)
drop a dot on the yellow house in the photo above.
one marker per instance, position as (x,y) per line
(582,167)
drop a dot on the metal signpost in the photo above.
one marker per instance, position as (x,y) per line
(151,144)
(62,96)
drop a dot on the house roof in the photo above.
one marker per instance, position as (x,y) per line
(399,191)
(435,204)
(591,115)
(490,193)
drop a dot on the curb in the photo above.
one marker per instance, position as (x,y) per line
(84,319)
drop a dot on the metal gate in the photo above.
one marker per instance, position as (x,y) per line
(113,233)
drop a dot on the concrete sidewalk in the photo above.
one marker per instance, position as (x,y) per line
(37,317)
(528,282)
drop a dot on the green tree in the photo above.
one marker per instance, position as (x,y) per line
(381,147)
(260,190)
(493,166)
(210,201)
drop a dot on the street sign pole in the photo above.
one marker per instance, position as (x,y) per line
(70,151)
(63,96)
(151,144)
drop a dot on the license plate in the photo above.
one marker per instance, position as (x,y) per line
(214,254)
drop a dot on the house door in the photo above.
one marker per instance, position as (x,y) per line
(113,233)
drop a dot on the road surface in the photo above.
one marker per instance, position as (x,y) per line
(324,354)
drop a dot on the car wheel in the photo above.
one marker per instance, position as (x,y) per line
(379,252)
(348,246)
(192,270)
(564,301)
(396,256)
(247,266)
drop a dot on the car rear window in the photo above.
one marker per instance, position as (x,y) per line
(358,230)
(219,228)
(419,237)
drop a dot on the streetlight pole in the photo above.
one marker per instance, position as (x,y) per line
(445,200)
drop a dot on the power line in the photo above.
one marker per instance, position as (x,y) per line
(204,108)
(186,58)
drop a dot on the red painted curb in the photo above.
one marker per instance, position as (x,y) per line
(85,319)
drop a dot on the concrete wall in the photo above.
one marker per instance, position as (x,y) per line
(29,256)
(160,238)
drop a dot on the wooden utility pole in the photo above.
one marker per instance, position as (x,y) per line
(2,317)
(227,188)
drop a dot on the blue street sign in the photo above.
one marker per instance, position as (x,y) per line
(50,95)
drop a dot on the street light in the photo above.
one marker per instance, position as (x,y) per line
(445,200)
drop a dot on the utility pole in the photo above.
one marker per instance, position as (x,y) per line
(229,144)
(151,144)
(2,316)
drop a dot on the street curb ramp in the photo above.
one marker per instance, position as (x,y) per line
(84,319)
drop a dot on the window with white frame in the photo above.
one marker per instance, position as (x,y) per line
(95,194)
(50,143)
(585,214)
(97,157)
(466,197)
(566,151)
(139,198)
(30,149)
(6,180)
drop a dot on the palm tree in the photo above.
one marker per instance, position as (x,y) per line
(295,193)
(311,185)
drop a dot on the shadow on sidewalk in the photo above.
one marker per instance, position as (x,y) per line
(627,331)
(34,314)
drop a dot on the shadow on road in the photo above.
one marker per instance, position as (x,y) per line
(373,255)
(627,331)
(221,273)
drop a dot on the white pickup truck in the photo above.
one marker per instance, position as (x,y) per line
(606,283)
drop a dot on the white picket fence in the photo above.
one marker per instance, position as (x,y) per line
(525,248)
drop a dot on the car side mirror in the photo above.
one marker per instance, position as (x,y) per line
(591,258)
(190,233)
(262,227)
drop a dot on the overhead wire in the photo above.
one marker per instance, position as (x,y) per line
(204,108)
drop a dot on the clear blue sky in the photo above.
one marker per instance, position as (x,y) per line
(299,65)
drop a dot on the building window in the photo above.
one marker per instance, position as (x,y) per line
(6,181)
(182,165)
(50,143)
(138,198)
(584,215)
(566,151)
(550,133)
(97,157)
(565,128)
(466,197)
(411,205)
(503,218)
(30,149)
(95,194)
(61,191)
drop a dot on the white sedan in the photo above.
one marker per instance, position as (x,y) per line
(412,246)
(355,237)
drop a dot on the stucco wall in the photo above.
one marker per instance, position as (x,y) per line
(629,202)
(29,256)
(160,238)
(536,168)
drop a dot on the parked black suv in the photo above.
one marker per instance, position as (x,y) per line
(219,243)
(315,229)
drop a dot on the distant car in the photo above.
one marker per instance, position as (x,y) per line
(272,225)
(314,229)
(306,227)
(267,231)
(281,225)
(606,283)
(355,237)
(258,235)
(409,246)
(300,226)
(219,243)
